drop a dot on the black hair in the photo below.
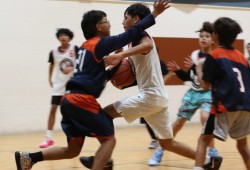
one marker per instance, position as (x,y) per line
(227,30)
(65,31)
(207,27)
(248,43)
(139,9)
(89,21)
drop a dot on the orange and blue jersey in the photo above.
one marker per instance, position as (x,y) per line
(228,72)
(90,76)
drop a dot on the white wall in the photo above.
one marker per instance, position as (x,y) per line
(27,34)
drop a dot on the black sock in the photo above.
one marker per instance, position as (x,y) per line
(36,157)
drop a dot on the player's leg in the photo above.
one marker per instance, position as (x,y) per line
(104,153)
(186,111)
(48,141)
(244,151)
(162,127)
(25,160)
(178,124)
(203,142)
(212,151)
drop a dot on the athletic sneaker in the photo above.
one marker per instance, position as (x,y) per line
(153,145)
(46,143)
(212,152)
(156,158)
(214,164)
(23,161)
(88,162)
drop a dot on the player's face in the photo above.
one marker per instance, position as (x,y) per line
(248,49)
(129,21)
(64,39)
(104,27)
(206,40)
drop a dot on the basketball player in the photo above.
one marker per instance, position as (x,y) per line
(196,97)
(61,61)
(82,115)
(151,101)
(227,72)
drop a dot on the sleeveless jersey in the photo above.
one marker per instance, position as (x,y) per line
(61,61)
(228,72)
(149,75)
(197,57)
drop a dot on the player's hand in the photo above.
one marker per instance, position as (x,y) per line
(112,60)
(188,62)
(173,66)
(160,6)
(119,50)
(50,83)
(116,85)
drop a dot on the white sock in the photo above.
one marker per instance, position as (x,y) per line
(207,160)
(198,168)
(49,134)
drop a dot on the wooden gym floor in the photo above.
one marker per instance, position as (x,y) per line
(131,152)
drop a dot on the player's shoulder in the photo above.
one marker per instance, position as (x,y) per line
(195,56)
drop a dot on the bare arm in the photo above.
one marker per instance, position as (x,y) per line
(51,68)
(145,46)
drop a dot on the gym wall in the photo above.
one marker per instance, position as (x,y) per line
(28,34)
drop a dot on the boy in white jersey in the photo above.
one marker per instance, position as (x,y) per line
(61,61)
(151,102)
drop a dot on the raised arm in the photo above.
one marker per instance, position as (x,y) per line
(112,43)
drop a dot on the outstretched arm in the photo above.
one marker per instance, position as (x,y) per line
(112,43)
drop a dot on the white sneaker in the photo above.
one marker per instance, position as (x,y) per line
(156,158)
(153,145)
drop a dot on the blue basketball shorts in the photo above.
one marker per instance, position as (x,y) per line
(193,100)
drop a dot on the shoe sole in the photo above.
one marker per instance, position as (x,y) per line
(17,158)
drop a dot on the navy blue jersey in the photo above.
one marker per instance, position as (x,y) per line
(90,75)
(228,72)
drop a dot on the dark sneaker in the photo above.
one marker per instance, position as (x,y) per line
(88,162)
(214,164)
(23,161)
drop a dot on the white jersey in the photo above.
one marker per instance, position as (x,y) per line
(193,75)
(149,75)
(63,69)
(152,100)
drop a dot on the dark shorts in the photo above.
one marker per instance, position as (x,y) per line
(82,116)
(208,128)
(56,100)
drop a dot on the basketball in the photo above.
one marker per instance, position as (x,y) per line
(124,76)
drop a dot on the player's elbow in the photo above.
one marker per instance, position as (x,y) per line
(148,46)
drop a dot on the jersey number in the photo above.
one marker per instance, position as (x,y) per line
(79,60)
(239,77)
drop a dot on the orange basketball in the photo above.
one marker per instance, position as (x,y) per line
(124,76)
